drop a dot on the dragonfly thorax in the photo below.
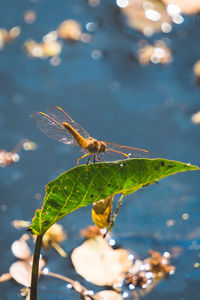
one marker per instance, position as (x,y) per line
(95,146)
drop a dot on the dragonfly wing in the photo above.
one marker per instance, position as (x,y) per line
(61,116)
(130,151)
(52,128)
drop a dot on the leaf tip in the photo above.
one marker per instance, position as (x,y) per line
(189,165)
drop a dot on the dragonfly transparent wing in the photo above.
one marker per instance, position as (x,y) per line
(61,116)
(52,128)
(126,151)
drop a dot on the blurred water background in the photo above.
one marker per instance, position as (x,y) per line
(102,85)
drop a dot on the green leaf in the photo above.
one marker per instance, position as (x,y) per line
(82,186)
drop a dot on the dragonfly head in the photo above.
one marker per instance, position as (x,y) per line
(95,146)
(102,147)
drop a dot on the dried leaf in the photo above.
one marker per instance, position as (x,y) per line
(101,212)
(107,295)
(20,224)
(70,30)
(98,263)
(20,249)
(5,277)
(159,53)
(53,236)
(186,6)
(8,36)
(42,50)
(29,145)
(91,232)
(51,49)
(138,280)
(196,70)
(29,16)
(159,264)
(8,158)
(21,270)
(147,17)
(25,292)
(145,274)
(54,233)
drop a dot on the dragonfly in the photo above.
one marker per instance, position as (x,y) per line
(58,125)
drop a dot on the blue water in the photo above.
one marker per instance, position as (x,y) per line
(116,99)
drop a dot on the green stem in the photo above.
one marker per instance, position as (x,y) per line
(35,268)
(112,220)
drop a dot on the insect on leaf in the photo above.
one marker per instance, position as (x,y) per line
(82,186)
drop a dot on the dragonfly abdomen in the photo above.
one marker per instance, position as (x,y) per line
(80,140)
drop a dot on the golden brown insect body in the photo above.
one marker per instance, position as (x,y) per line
(90,144)
(57,124)
(95,146)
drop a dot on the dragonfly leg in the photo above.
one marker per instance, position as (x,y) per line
(82,158)
(89,159)
(98,158)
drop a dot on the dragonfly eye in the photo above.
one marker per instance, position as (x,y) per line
(102,147)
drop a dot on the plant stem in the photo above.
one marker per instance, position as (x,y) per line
(79,288)
(59,276)
(57,247)
(35,267)
(112,220)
